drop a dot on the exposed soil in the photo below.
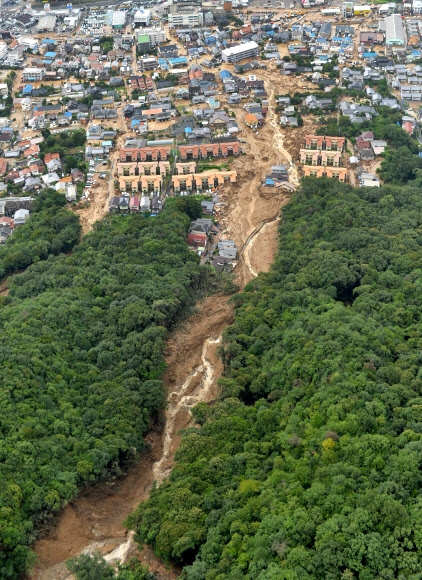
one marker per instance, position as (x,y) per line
(93,209)
(263,246)
(249,214)
(95,519)
(4,286)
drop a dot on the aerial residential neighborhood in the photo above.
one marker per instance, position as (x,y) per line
(158,100)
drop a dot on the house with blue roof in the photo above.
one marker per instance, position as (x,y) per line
(27,90)
(177,61)
(225,74)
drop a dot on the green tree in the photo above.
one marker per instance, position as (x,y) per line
(87,567)
(309,464)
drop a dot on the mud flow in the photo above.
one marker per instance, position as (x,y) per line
(249,214)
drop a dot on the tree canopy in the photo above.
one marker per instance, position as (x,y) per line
(51,229)
(309,465)
(95,567)
(81,359)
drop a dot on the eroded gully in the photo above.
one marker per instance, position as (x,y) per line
(95,520)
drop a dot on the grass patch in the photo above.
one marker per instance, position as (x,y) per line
(206,166)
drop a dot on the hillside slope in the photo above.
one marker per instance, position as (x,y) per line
(310,466)
(81,354)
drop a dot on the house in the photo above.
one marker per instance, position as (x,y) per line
(201,226)
(77,175)
(251,120)
(113,205)
(197,239)
(207,207)
(145,204)
(156,205)
(219,119)
(54,165)
(50,178)
(232,127)
(134,204)
(168,51)
(49,156)
(365,136)
(222,263)
(21,217)
(227,249)
(366,154)
(123,204)
(313,103)
(36,168)
(70,192)
(378,146)
(63,121)
(408,127)
(367,179)
(32,184)
(370,38)
(288,121)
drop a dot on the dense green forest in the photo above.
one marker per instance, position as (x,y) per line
(51,229)
(309,467)
(81,362)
